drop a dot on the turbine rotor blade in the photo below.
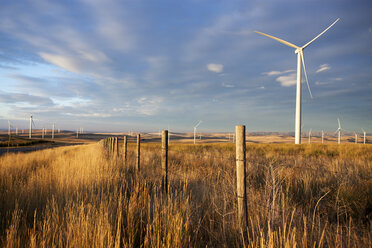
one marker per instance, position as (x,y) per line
(339,124)
(280,40)
(307,81)
(320,34)
(198,124)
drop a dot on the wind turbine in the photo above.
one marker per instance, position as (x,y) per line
(53,130)
(339,131)
(364,136)
(322,136)
(300,58)
(195,131)
(9,128)
(356,137)
(310,136)
(31,123)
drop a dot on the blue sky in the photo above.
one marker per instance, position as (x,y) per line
(146,65)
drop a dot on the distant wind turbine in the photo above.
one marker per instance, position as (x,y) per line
(300,58)
(364,136)
(322,136)
(53,130)
(30,130)
(195,131)
(310,136)
(356,137)
(9,128)
(339,130)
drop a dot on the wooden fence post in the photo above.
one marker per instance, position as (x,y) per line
(138,152)
(164,160)
(125,149)
(117,146)
(241,176)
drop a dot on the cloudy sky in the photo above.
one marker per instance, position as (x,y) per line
(145,65)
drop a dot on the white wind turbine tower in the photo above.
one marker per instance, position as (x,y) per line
(53,130)
(30,130)
(339,131)
(300,58)
(364,136)
(322,136)
(356,138)
(195,131)
(9,128)
(310,136)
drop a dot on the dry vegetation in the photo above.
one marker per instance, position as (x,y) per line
(304,196)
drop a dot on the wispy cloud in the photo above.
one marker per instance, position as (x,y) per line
(287,80)
(275,73)
(99,115)
(17,98)
(321,83)
(323,67)
(227,85)
(215,67)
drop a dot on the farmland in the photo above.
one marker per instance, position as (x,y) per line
(305,196)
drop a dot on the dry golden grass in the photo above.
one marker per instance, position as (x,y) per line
(298,196)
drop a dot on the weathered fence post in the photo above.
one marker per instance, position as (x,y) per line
(125,149)
(138,152)
(117,146)
(164,160)
(241,176)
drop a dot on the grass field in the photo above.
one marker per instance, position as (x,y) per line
(298,196)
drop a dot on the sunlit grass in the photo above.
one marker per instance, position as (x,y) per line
(304,196)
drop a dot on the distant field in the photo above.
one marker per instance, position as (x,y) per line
(86,138)
(298,196)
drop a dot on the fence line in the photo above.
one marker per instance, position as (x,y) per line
(111,145)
